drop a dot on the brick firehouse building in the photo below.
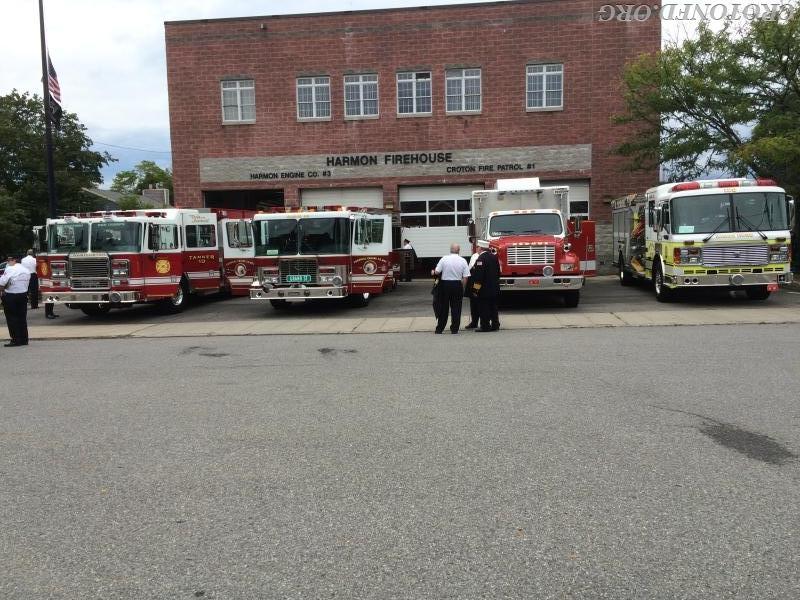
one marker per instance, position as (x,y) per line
(408,109)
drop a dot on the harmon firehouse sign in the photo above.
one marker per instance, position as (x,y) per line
(398,164)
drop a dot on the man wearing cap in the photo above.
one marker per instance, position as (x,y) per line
(453,271)
(14,284)
(486,287)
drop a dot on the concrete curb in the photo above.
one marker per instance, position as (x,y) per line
(371,325)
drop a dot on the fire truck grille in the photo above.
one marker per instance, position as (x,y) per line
(298,271)
(719,256)
(90,272)
(531,255)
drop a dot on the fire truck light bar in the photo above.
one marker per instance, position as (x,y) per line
(722,183)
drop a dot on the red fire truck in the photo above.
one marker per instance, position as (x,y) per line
(102,260)
(539,246)
(329,253)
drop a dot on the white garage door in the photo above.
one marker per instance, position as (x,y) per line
(433,217)
(578,195)
(361,197)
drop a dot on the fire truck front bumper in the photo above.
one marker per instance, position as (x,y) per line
(688,278)
(297,293)
(533,282)
(98,297)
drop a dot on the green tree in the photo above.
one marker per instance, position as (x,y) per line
(143,176)
(23,173)
(723,101)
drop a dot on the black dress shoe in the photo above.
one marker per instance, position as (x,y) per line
(52,316)
(471,326)
(10,345)
(438,331)
(454,332)
(481,330)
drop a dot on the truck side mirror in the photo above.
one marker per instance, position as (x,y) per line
(790,210)
(471,229)
(154,241)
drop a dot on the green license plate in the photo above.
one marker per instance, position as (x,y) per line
(298,278)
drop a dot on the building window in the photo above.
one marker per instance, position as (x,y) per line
(463,90)
(545,87)
(314,98)
(360,96)
(435,213)
(414,93)
(238,101)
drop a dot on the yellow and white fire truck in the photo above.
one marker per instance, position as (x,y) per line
(729,233)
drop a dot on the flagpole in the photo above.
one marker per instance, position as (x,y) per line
(48,129)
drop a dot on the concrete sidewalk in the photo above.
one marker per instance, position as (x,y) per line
(560,320)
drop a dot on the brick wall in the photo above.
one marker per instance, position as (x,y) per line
(500,38)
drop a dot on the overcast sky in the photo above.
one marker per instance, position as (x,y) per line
(110,59)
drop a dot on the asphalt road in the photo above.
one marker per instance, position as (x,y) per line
(601,294)
(595,463)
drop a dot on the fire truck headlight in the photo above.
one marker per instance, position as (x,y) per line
(567,266)
(337,281)
(779,254)
(58,269)
(120,267)
(547,271)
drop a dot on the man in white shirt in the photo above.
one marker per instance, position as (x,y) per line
(14,283)
(453,271)
(29,262)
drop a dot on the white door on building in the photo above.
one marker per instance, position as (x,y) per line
(433,217)
(360,197)
(578,196)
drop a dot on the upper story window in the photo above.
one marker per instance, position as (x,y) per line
(360,96)
(463,90)
(545,87)
(238,101)
(414,93)
(314,98)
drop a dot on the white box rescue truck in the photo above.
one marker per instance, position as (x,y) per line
(724,233)
(539,246)
(103,260)
(332,253)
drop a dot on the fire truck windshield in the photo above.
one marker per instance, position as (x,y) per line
(117,236)
(747,211)
(325,236)
(68,237)
(526,224)
(275,237)
(281,237)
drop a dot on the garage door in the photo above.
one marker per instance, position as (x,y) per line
(433,217)
(578,195)
(361,197)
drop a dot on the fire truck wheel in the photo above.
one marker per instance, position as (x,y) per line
(625,276)
(663,293)
(95,310)
(572,298)
(757,292)
(177,302)
(279,304)
(359,299)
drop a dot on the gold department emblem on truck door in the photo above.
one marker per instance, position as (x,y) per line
(162,266)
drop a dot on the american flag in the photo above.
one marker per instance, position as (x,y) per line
(55,91)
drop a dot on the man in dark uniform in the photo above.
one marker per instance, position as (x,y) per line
(486,286)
